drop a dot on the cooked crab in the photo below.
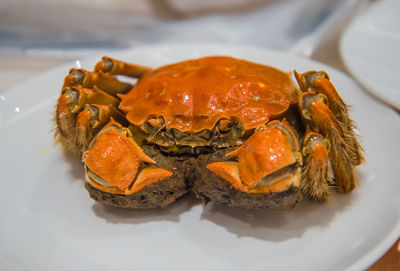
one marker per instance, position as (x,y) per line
(233,131)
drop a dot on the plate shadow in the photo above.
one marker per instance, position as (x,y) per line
(260,224)
(115,215)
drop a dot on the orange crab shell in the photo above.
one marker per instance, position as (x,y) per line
(193,95)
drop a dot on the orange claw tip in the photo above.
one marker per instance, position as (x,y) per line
(229,171)
(115,158)
(233,153)
(148,176)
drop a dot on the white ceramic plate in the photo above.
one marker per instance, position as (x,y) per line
(48,221)
(370,49)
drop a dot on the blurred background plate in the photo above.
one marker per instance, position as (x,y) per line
(370,49)
(48,221)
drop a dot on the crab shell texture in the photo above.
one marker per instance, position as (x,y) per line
(232,131)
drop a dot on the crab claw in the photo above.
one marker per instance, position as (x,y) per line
(269,161)
(116,164)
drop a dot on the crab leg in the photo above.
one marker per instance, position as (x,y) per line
(88,79)
(314,109)
(269,161)
(318,82)
(84,96)
(65,117)
(118,67)
(69,106)
(116,164)
(90,120)
(315,177)
(89,91)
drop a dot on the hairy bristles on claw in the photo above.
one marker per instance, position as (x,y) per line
(342,147)
(68,144)
(83,128)
(319,83)
(315,181)
(347,143)
(349,135)
(345,178)
(333,130)
(64,120)
(67,141)
(340,152)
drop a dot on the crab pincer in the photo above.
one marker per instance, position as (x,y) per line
(268,162)
(115,164)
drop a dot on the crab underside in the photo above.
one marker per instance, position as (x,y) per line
(231,131)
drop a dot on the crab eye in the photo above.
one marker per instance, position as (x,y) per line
(154,125)
(156,122)
(225,125)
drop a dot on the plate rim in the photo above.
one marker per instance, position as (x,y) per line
(381,96)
